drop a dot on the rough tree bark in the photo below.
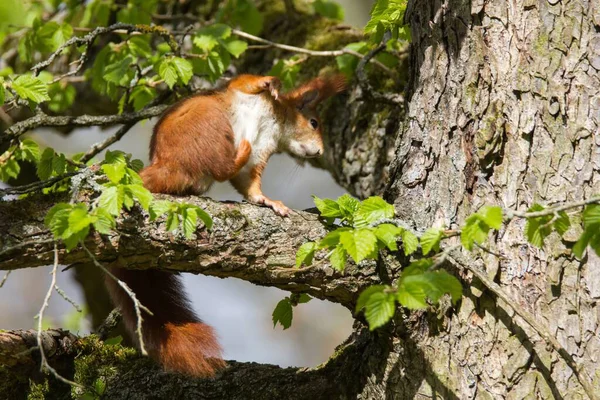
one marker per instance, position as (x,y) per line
(502,108)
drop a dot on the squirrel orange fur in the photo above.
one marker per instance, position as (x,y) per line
(223,135)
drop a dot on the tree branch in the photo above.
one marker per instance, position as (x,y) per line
(246,242)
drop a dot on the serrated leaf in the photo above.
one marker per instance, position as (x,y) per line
(183,68)
(349,205)
(158,208)
(410,242)
(359,244)
(105,222)
(305,254)
(57,219)
(136,165)
(562,223)
(31,88)
(582,243)
(379,309)
(430,240)
(235,47)
(79,219)
(44,167)
(444,283)
(412,293)
(388,234)
(59,164)
(368,292)
(172,221)
(142,195)
(9,169)
(372,210)
(338,258)
(30,150)
(111,200)
(591,215)
(328,208)
(205,42)
(283,314)
(205,218)
(492,216)
(304,298)
(117,72)
(167,71)
(114,172)
(190,221)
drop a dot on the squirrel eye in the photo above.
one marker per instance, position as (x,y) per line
(314,123)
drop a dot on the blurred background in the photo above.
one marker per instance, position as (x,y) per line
(242,315)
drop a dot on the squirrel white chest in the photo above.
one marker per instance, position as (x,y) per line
(253,119)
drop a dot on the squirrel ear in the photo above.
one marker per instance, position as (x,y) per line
(314,92)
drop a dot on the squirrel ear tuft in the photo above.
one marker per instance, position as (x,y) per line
(317,90)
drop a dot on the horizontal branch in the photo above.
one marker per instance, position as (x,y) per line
(43,120)
(121,371)
(246,242)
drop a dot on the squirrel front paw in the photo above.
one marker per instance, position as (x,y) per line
(277,206)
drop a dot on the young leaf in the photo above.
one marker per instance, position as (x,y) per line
(492,216)
(537,229)
(366,294)
(190,221)
(305,254)
(328,208)
(111,200)
(158,208)
(31,88)
(235,47)
(430,240)
(410,242)
(360,243)
(372,210)
(44,167)
(348,205)
(388,234)
(338,258)
(283,313)
(183,68)
(79,219)
(114,172)
(30,150)
(379,309)
(329,9)
(104,221)
(142,195)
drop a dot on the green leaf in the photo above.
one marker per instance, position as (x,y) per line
(136,165)
(332,239)
(158,208)
(2,93)
(388,234)
(79,219)
(113,341)
(167,71)
(591,215)
(30,150)
(30,88)
(372,210)
(492,216)
(57,219)
(140,46)
(205,218)
(328,207)
(114,172)
(59,164)
(329,9)
(412,292)
(9,169)
(304,298)
(366,294)
(61,35)
(537,229)
(348,205)
(205,42)
(112,199)
(184,69)
(562,223)
(430,240)
(582,243)
(172,221)
(410,242)
(190,221)
(117,72)
(235,47)
(379,309)
(338,258)
(305,254)
(347,63)
(283,314)
(105,222)
(360,244)
(141,194)
(444,283)
(474,231)
(415,288)
(44,167)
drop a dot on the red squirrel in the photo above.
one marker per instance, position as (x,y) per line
(223,135)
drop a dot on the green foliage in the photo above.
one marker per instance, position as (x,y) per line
(478,225)
(26,150)
(175,70)
(287,71)
(242,14)
(329,9)
(31,88)
(180,216)
(388,15)
(591,231)
(284,311)
(361,230)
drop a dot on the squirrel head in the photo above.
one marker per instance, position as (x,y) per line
(302,135)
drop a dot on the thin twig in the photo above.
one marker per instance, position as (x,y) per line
(25,244)
(137,305)
(510,214)
(44,362)
(67,298)
(457,260)
(5,278)
(314,53)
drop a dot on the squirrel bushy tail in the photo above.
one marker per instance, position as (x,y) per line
(174,336)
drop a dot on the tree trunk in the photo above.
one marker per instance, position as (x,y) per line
(502,109)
